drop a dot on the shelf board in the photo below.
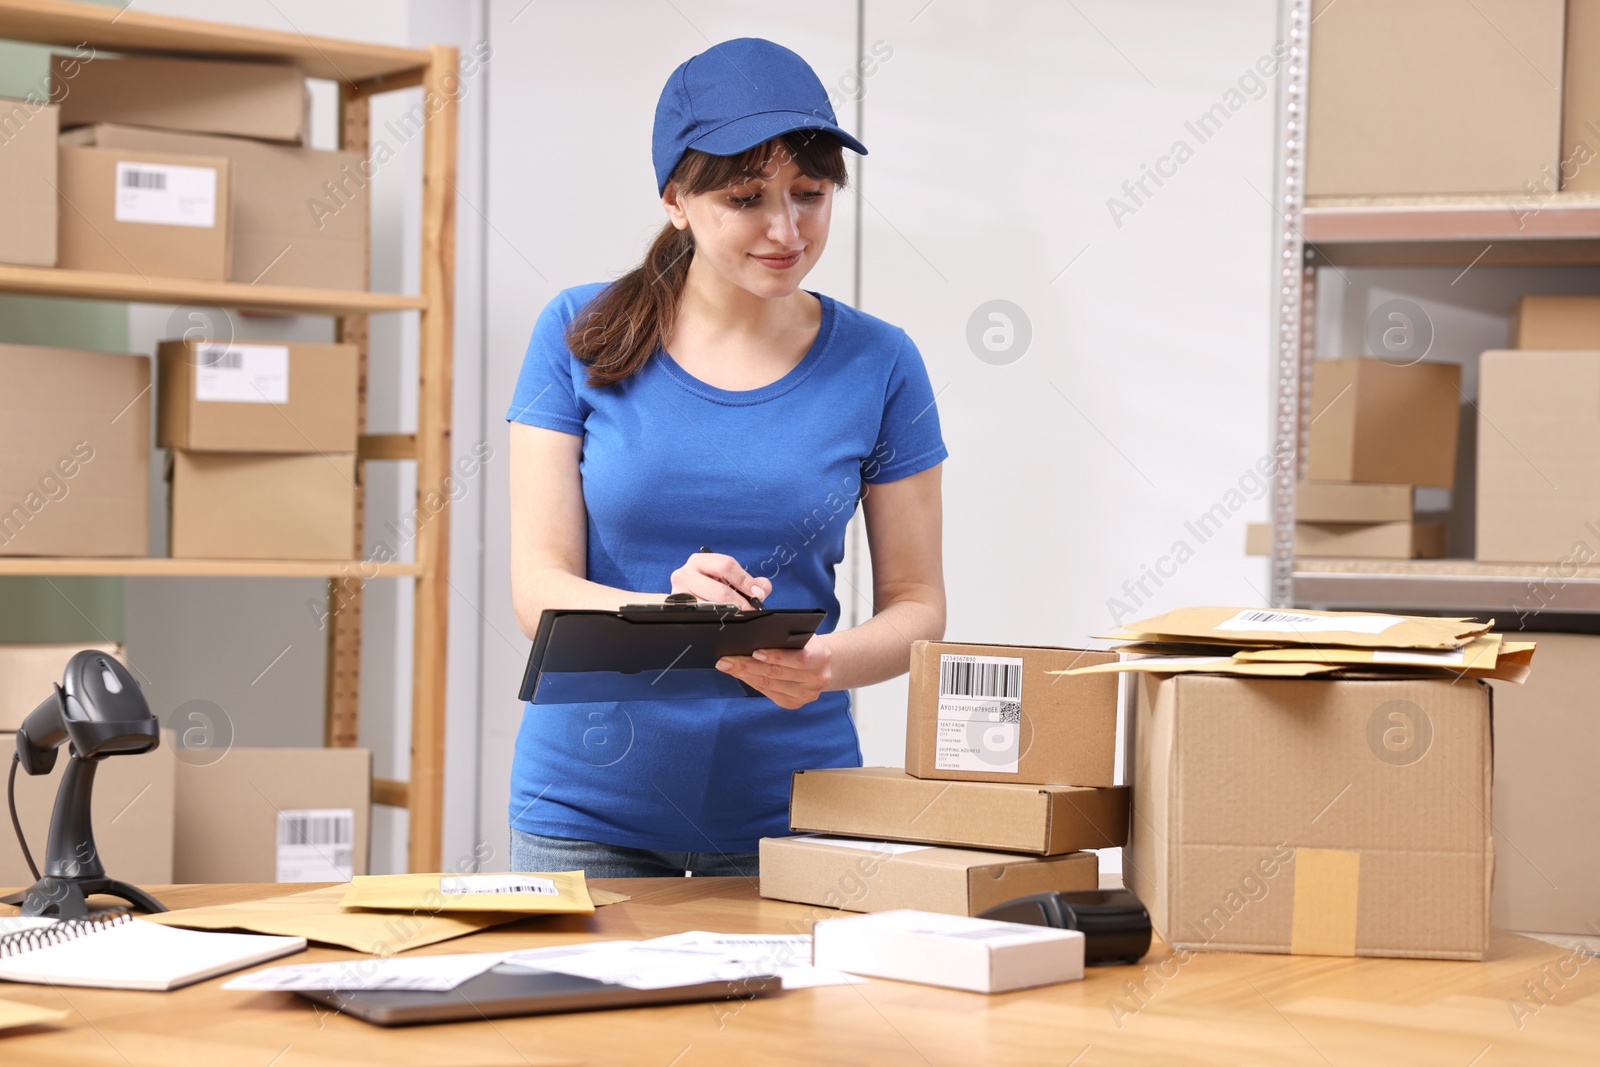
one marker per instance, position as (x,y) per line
(1454,231)
(109,29)
(1510,590)
(137,289)
(159,567)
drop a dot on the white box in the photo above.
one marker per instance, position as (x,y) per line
(955,951)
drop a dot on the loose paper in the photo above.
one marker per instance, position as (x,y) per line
(436,974)
(15,1013)
(166,194)
(686,959)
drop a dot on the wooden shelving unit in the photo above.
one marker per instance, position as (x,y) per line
(361,71)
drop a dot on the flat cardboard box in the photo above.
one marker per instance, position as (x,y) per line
(132,810)
(266,101)
(28,182)
(301,216)
(957,952)
(1353,502)
(885,803)
(1379,422)
(74,452)
(249,505)
(145,213)
(1336,818)
(1538,456)
(1433,96)
(1580,103)
(248,397)
(1556,322)
(1546,795)
(240,817)
(29,673)
(1354,540)
(855,875)
(989,713)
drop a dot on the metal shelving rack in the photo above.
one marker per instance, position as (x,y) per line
(362,71)
(1434,231)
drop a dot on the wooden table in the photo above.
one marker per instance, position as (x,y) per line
(1212,1008)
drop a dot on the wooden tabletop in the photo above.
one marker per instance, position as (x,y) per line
(1527,1003)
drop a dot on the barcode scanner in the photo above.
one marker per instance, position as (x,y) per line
(1114,924)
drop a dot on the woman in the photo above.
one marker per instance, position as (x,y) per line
(706,400)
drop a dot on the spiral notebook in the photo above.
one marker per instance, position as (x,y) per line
(117,951)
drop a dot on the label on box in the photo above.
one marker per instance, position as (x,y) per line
(458,885)
(316,845)
(241,374)
(166,195)
(1291,622)
(980,713)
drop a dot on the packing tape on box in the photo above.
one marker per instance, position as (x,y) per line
(1326,888)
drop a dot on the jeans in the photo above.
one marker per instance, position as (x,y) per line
(536,852)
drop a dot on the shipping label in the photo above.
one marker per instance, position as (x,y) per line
(980,713)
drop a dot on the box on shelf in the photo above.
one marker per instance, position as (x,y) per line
(1354,540)
(273,815)
(28,674)
(301,216)
(250,505)
(1546,796)
(267,101)
(28,182)
(1433,97)
(1374,421)
(1580,102)
(1335,818)
(1353,502)
(886,803)
(74,453)
(857,875)
(249,397)
(145,213)
(978,955)
(1555,322)
(1538,471)
(133,811)
(989,713)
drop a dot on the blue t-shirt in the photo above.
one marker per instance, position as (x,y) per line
(769,476)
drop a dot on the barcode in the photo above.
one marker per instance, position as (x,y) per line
(144,179)
(547,890)
(1273,616)
(967,679)
(316,830)
(228,358)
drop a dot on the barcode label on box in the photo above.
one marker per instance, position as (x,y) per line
(1292,622)
(980,713)
(241,374)
(166,195)
(497,883)
(316,845)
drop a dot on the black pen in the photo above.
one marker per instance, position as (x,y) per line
(754,600)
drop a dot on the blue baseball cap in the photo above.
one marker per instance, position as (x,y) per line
(734,96)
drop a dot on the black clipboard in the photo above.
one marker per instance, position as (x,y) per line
(654,651)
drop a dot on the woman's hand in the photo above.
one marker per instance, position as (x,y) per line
(718,578)
(791,677)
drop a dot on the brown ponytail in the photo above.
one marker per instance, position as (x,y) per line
(618,331)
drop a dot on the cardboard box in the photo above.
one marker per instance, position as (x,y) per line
(885,803)
(1354,540)
(1580,101)
(979,955)
(1546,796)
(989,713)
(1353,502)
(1379,422)
(301,216)
(274,815)
(28,674)
(240,397)
(246,505)
(132,810)
(1538,456)
(267,101)
(856,875)
(1337,818)
(28,182)
(145,213)
(74,453)
(1547,322)
(1433,96)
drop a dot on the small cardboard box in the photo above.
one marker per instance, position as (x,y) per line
(267,101)
(979,955)
(1546,795)
(273,815)
(1334,818)
(1353,502)
(1433,96)
(145,213)
(301,216)
(856,875)
(886,803)
(1556,322)
(132,810)
(1354,540)
(74,453)
(28,674)
(248,505)
(989,713)
(238,397)
(1379,422)
(28,182)
(1538,456)
(1580,103)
